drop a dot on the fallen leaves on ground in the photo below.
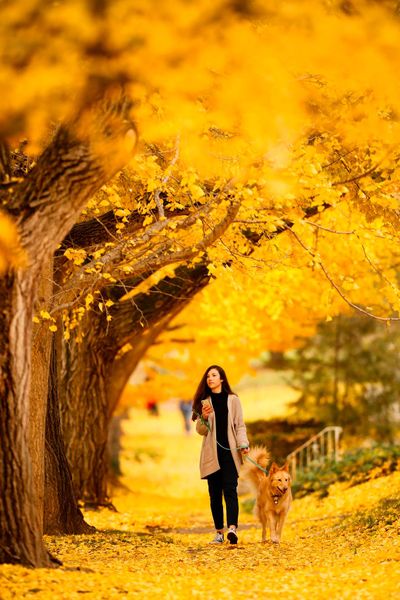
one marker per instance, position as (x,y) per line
(346,545)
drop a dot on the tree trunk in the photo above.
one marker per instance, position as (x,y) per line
(85,414)
(20,520)
(41,345)
(87,408)
(61,512)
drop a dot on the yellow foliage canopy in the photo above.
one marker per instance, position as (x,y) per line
(259,107)
(254,78)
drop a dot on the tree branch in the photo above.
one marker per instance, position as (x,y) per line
(335,286)
(134,251)
(67,174)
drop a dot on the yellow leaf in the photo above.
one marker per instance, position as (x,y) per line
(77,256)
(147,220)
(122,212)
(89,300)
(196,191)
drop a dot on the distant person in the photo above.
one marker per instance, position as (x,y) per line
(152,408)
(185,406)
(218,415)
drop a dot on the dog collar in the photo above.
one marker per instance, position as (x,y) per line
(276,497)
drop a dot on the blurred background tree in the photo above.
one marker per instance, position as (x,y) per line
(348,374)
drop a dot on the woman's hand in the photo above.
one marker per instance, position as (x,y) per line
(245,450)
(206,411)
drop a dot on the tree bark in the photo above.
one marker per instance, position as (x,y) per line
(61,512)
(41,345)
(85,414)
(20,526)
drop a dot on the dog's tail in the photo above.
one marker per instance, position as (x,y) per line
(250,471)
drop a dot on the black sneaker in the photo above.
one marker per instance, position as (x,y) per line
(232,535)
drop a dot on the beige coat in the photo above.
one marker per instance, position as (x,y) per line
(237,436)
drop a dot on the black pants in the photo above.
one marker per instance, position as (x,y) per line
(224,482)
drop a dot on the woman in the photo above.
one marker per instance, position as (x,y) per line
(218,415)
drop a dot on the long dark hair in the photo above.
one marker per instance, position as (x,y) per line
(203,391)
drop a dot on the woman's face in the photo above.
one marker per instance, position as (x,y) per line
(214,380)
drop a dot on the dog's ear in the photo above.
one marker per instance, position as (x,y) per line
(285,467)
(273,468)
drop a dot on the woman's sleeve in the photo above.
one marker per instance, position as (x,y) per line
(201,428)
(241,433)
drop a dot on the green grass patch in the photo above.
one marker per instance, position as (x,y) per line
(384,514)
(355,467)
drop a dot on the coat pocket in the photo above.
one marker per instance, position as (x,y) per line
(208,455)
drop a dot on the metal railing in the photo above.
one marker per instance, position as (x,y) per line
(320,448)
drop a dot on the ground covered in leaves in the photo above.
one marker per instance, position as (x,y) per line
(346,545)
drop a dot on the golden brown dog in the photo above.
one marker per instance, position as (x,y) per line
(273,492)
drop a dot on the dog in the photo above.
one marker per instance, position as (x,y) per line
(273,492)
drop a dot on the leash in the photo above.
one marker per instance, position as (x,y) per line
(246,456)
(256,464)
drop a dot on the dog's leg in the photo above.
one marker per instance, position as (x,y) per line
(272,520)
(264,529)
(263,520)
(281,522)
